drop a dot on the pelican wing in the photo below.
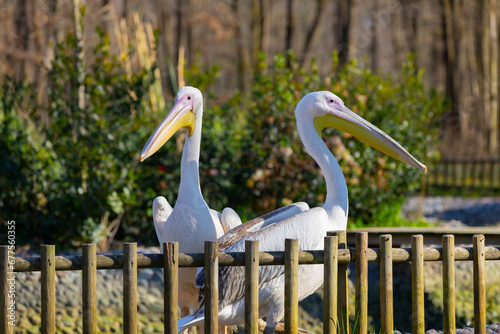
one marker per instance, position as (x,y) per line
(307,226)
(254,225)
(229,219)
(161,211)
(239,232)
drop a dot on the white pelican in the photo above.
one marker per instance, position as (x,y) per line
(190,222)
(314,112)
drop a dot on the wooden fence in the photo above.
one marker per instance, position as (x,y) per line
(335,258)
(473,173)
(401,236)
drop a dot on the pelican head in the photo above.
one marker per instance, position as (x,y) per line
(328,111)
(186,109)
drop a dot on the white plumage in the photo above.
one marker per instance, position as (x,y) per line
(191,222)
(314,112)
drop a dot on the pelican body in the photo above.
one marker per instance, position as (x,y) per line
(190,222)
(314,112)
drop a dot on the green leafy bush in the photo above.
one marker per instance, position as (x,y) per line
(72,170)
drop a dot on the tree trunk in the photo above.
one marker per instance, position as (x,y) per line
(125,12)
(410,14)
(451,120)
(398,39)
(265,23)
(37,46)
(104,23)
(163,42)
(291,21)
(242,61)
(485,79)
(345,15)
(179,42)
(189,32)
(459,78)
(79,55)
(259,29)
(256,29)
(376,29)
(313,30)
(470,94)
(22,28)
(494,139)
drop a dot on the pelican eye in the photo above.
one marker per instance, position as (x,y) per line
(331,101)
(189,97)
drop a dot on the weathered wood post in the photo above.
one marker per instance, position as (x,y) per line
(291,286)
(129,288)
(48,278)
(386,288)
(343,285)
(449,326)
(251,287)
(170,286)
(89,294)
(417,284)
(361,300)
(330,321)
(211,287)
(479,284)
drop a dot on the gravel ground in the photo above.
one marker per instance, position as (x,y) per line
(456,211)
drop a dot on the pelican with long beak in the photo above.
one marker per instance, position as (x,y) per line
(315,112)
(190,222)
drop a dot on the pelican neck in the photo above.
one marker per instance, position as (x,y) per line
(189,189)
(336,203)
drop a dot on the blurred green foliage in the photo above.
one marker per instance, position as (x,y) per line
(70,170)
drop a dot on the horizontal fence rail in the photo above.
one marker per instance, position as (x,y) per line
(104,262)
(336,315)
(483,173)
(432,235)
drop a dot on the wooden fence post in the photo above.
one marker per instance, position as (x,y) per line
(449,284)
(343,285)
(129,288)
(6,277)
(386,288)
(251,287)
(330,321)
(361,299)
(48,278)
(211,287)
(89,280)
(479,284)
(291,285)
(171,286)
(417,284)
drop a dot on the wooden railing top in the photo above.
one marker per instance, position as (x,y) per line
(238,259)
(484,230)
(432,236)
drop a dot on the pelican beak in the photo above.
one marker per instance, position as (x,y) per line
(344,119)
(181,115)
